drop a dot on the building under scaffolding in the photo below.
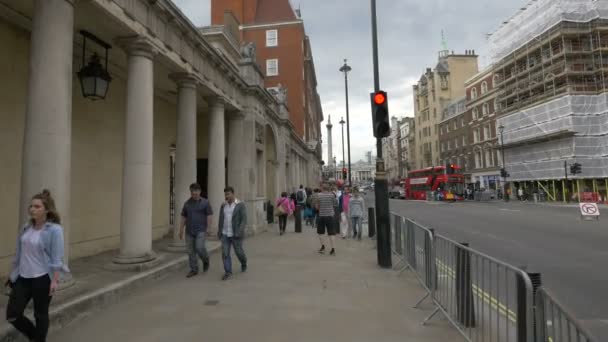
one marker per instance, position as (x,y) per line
(551,68)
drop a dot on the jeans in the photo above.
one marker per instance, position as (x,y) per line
(357,221)
(195,245)
(24,290)
(238,250)
(282,223)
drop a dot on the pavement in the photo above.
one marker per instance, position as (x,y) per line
(550,238)
(289,293)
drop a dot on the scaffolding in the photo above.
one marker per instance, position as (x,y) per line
(551,71)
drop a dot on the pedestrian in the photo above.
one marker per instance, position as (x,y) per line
(326,204)
(520,193)
(284,209)
(357,212)
(232,223)
(344,216)
(313,203)
(36,267)
(196,217)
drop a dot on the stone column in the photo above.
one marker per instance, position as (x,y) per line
(185,154)
(46,162)
(217,157)
(136,213)
(237,159)
(330,158)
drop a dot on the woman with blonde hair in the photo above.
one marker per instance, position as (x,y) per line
(36,267)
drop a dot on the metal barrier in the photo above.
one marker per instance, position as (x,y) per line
(554,323)
(484,298)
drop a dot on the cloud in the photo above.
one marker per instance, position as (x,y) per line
(409,38)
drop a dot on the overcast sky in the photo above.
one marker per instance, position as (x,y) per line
(409,38)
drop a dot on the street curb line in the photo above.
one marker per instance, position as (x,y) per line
(82,306)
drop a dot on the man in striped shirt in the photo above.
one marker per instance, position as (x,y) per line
(326,202)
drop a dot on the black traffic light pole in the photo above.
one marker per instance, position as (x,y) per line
(381,188)
(343,153)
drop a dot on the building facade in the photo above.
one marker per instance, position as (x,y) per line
(405,129)
(435,90)
(284,52)
(184,105)
(550,64)
(454,137)
(481,104)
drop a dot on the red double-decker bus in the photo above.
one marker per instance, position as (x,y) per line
(446,182)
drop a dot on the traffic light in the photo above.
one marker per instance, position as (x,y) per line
(576,168)
(344,172)
(380,118)
(450,169)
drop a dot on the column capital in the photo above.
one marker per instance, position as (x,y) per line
(184,79)
(137,46)
(236,115)
(215,101)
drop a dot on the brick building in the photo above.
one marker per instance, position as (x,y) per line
(284,54)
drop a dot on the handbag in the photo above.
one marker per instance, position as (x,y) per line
(8,288)
(280,210)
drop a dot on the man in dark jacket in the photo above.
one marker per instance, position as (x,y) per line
(231,231)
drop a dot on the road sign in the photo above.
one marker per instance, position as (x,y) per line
(590,210)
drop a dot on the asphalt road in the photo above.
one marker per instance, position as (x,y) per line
(570,254)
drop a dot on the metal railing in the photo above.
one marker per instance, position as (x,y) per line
(484,298)
(554,323)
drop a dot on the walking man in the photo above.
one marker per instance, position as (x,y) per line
(231,231)
(196,216)
(326,203)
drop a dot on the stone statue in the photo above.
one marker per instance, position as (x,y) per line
(248,51)
(281,94)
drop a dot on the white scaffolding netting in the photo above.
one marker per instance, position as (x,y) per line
(539,16)
(571,128)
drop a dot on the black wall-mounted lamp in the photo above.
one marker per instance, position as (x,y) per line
(94,78)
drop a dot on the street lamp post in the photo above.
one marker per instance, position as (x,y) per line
(345,69)
(501,128)
(342,122)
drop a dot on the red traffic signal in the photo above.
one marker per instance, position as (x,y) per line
(344,169)
(380,98)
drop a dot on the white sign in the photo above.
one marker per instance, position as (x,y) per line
(589,209)
(415,181)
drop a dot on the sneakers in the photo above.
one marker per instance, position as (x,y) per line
(322,250)
(332,252)
(226,276)
(205,266)
(243,268)
(191,274)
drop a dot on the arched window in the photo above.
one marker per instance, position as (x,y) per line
(484,87)
(473,93)
(485,109)
(495,80)
(478,160)
(475,113)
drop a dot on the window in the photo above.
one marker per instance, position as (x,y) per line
(456,143)
(455,125)
(489,157)
(442,147)
(485,109)
(495,80)
(476,135)
(464,140)
(473,93)
(496,105)
(272,38)
(435,112)
(484,87)
(462,122)
(449,145)
(272,67)
(475,113)
(478,161)
(486,132)
(444,82)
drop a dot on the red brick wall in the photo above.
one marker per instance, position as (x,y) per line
(290,54)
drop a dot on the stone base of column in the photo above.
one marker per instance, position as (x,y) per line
(66,280)
(134,263)
(176,246)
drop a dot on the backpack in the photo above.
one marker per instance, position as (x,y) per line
(300,196)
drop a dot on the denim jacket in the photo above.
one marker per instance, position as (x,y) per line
(52,239)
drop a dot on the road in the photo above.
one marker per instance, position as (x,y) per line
(569,253)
